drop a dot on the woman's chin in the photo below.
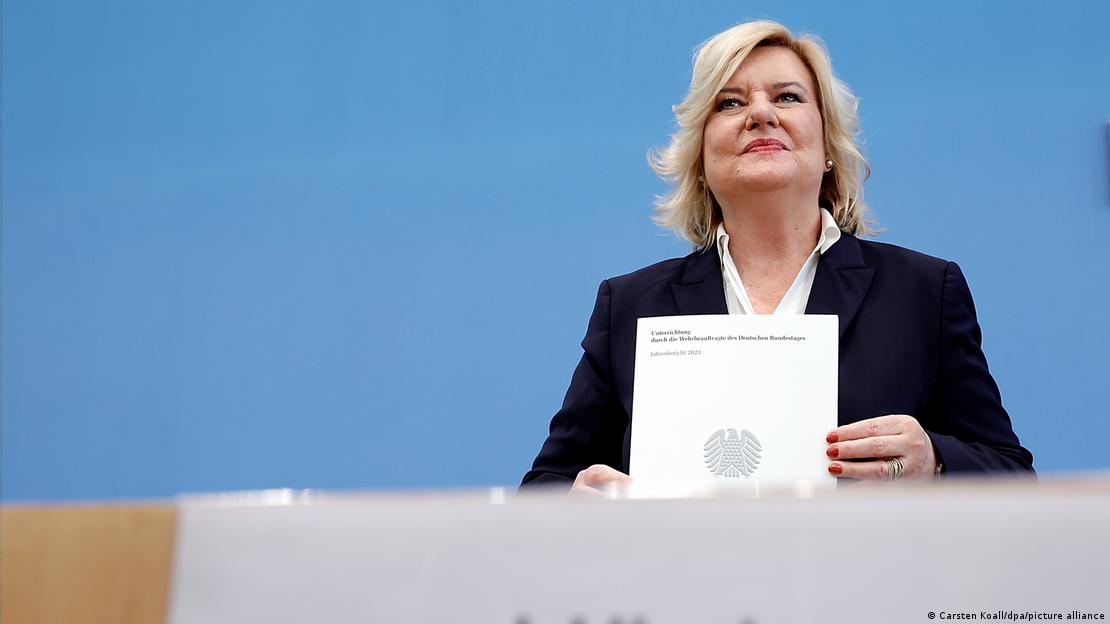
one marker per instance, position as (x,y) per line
(763,181)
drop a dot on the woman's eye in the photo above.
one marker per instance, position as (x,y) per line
(789,97)
(729,104)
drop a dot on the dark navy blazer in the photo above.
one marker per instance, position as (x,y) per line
(909,344)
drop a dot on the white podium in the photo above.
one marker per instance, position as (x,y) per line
(1002,550)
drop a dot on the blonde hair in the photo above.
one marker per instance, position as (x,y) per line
(689,207)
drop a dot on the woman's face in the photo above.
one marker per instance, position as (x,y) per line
(764,132)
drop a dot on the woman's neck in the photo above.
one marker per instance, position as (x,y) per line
(771,229)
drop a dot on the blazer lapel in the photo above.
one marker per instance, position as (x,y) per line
(701,289)
(839,285)
(841,282)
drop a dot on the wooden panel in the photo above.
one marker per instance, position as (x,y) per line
(85,564)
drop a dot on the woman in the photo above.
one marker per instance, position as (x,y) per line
(767,186)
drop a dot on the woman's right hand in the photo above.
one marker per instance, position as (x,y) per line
(596,478)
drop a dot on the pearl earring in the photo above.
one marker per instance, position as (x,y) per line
(828,165)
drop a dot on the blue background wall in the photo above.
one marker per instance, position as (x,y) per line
(355,245)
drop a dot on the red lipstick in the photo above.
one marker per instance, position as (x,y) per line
(763,145)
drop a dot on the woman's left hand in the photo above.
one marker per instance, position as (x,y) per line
(878,439)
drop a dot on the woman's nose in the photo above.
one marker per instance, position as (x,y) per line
(762,112)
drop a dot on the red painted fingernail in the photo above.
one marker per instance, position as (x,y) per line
(835,468)
(832,451)
(832,438)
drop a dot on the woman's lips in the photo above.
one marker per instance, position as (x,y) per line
(765,148)
(764,145)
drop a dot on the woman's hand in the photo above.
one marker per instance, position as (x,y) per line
(594,479)
(896,435)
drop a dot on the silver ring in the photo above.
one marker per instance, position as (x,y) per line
(894,468)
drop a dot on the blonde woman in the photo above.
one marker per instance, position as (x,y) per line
(767,185)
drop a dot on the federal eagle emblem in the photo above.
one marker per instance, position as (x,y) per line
(731,455)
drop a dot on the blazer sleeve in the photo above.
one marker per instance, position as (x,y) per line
(972,432)
(589,428)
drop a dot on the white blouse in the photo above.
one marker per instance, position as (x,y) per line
(796,298)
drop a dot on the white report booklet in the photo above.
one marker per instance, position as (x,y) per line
(733,400)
